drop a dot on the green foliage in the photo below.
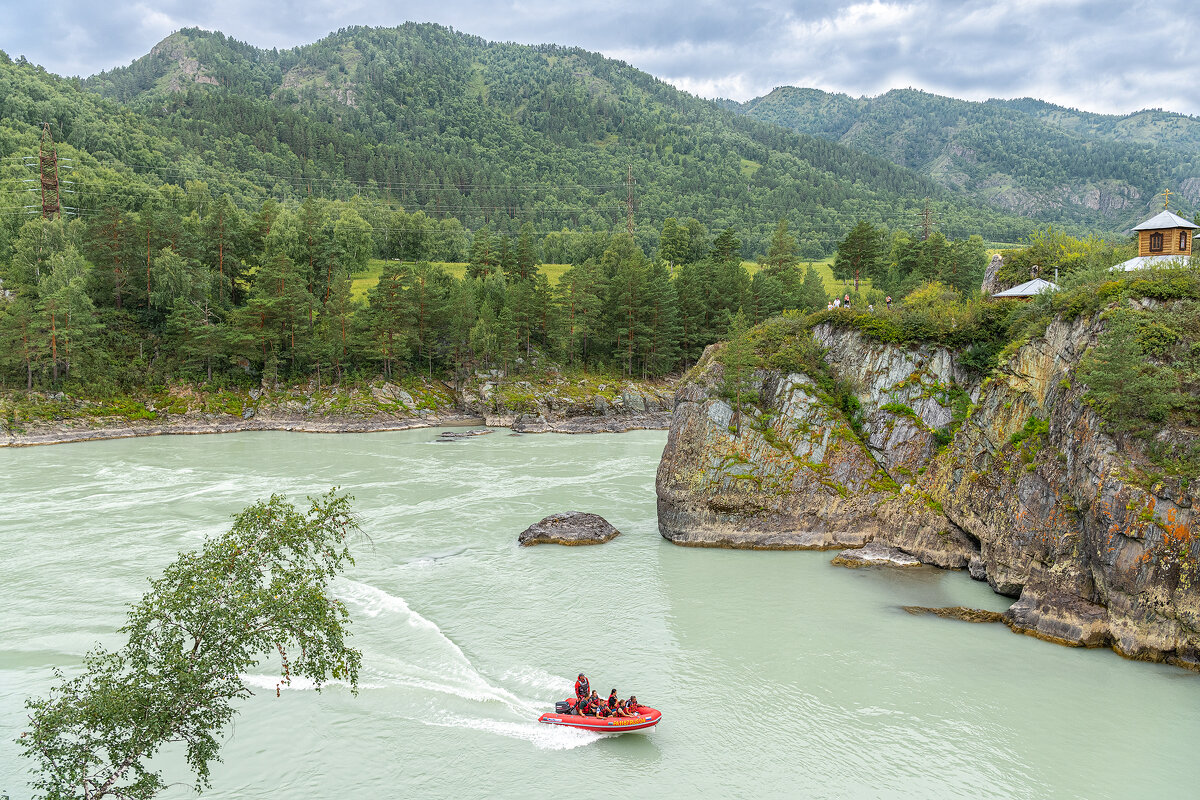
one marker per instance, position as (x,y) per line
(1130,393)
(447,122)
(1033,427)
(258,591)
(739,362)
(1053,250)
(900,409)
(992,151)
(861,254)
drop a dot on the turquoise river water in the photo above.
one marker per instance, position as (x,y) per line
(778,675)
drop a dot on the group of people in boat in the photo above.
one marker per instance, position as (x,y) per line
(589,704)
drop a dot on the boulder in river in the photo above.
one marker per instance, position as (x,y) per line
(569,528)
(875,554)
(449,436)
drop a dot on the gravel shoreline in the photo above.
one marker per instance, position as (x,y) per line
(299,423)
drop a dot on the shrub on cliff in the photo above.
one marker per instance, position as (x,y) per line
(1130,393)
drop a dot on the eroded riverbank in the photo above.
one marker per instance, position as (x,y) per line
(547,403)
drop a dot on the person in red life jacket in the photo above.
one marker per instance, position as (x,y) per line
(595,706)
(581,686)
(631,706)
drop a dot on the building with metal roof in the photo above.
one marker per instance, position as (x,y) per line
(1027,290)
(1165,220)
(1164,240)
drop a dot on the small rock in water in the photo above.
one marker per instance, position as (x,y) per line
(958,612)
(875,555)
(569,528)
(448,436)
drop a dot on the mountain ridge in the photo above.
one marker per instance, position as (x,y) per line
(1027,156)
(425,93)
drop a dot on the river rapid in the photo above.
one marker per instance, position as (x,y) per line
(778,675)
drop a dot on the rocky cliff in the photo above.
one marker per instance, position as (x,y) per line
(1011,477)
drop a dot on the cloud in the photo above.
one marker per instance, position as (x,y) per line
(1101,55)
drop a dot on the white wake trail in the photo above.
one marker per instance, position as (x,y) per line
(433,663)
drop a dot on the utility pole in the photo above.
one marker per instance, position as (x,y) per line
(49,186)
(629,200)
(48,167)
(927,220)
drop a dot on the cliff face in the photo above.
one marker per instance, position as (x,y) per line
(557,404)
(1027,491)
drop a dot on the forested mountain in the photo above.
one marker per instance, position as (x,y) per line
(1024,156)
(220,202)
(1149,126)
(502,134)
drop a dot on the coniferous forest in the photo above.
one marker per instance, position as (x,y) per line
(231,214)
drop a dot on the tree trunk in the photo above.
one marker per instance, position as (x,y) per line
(53,348)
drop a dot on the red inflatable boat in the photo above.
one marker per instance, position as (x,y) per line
(646,718)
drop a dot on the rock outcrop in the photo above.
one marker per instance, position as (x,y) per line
(569,528)
(875,554)
(990,285)
(559,405)
(1011,478)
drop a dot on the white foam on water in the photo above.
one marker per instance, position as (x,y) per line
(541,680)
(297,683)
(432,663)
(540,735)
(874,711)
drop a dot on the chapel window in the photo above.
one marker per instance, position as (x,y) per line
(1156,242)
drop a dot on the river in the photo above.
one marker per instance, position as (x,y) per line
(778,675)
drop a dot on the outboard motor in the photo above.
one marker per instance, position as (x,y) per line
(564,707)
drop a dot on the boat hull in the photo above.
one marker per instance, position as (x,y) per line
(646,718)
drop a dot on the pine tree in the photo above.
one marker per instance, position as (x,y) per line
(766,297)
(482,258)
(526,253)
(661,349)
(580,300)
(811,295)
(388,318)
(739,362)
(335,331)
(429,294)
(781,254)
(727,248)
(860,254)
(624,265)
(463,310)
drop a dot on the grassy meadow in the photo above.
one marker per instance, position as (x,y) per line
(363,281)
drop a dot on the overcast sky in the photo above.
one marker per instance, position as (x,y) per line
(1099,55)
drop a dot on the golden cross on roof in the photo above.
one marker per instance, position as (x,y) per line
(1167,198)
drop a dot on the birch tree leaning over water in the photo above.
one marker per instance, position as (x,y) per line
(259,591)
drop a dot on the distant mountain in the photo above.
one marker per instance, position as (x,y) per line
(1023,156)
(504,133)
